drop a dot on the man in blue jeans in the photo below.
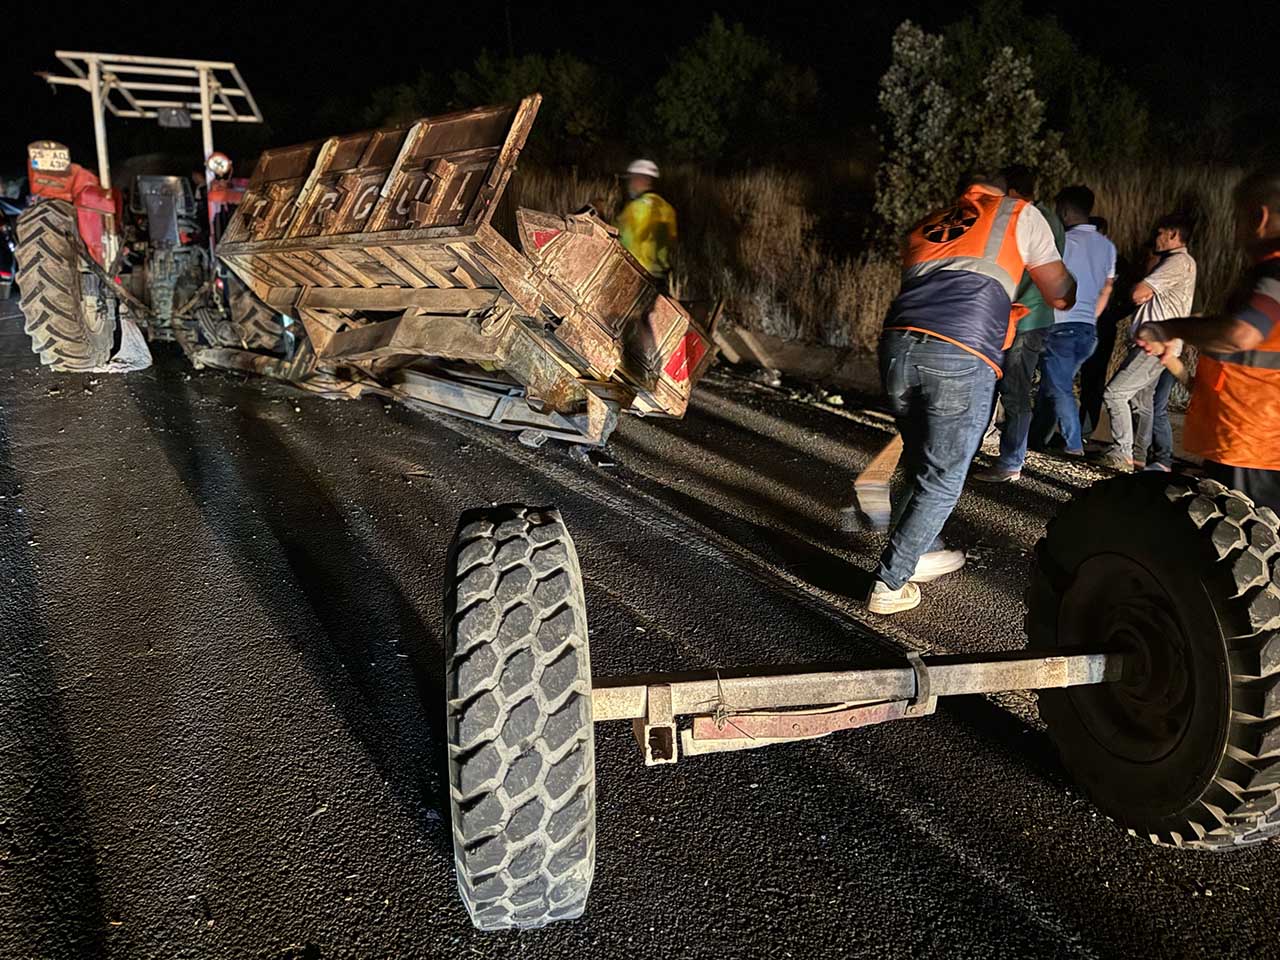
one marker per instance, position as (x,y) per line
(1091,259)
(940,354)
(1016,387)
(1155,432)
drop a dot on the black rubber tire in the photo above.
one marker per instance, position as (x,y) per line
(64,334)
(1188,573)
(521,750)
(255,324)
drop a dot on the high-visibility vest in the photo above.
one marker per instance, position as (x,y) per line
(1234,417)
(647,229)
(960,268)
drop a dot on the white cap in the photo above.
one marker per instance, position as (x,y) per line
(643,168)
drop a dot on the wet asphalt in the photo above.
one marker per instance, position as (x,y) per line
(220,693)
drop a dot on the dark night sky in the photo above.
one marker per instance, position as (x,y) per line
(295,55)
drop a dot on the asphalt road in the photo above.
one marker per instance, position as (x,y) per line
(220,694)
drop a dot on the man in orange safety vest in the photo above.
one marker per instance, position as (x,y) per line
(940,355)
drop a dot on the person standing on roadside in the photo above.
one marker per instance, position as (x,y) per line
(1023,356)
(941,349)
(1091,259)
(1234,418)
(1167,291)
(647,223)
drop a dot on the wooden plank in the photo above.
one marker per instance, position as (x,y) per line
(382,298)
(399,267)
(315,275)
(343,266)
(420,263)
(288,271)
(422,236)
(478,272)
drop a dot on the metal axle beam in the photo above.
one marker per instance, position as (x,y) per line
(748,709)
(627,698)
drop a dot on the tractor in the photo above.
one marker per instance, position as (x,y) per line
(101,267)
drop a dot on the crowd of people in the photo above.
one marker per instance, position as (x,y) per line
(1010,300)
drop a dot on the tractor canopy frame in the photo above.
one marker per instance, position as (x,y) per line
(138,87)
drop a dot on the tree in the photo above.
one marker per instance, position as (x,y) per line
(727,92)
(403,103)
(577,110)
(1103,120)
(942,121)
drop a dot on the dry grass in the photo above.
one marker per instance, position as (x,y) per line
(752,238)
(1133,199)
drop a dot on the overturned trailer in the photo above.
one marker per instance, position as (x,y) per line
(383,247)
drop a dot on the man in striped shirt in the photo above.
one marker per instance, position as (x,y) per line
(1234,418)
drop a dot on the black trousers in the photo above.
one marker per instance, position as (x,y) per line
(1260,486)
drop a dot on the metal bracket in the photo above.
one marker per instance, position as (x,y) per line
(924,702)
(656,730)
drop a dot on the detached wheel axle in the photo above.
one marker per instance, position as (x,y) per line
(1152,620)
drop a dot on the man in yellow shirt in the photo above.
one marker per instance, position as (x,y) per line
(647,224)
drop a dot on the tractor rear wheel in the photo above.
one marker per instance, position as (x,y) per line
(521,753)
(68,327)
(1184,576)
(255,324)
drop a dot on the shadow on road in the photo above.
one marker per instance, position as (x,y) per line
(48,866)
(321,584)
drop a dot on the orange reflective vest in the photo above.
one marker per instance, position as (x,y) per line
(1234,417)
(960,268)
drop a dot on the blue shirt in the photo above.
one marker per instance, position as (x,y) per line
(1091,259)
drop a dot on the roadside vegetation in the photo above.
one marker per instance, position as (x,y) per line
(799,234)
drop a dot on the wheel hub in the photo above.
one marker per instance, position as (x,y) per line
(1117,604)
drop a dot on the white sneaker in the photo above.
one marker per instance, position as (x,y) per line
(937,563)
(885,601)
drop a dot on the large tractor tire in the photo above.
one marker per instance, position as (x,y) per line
(1185,577)
(68,330)
(521,753)
(255,325)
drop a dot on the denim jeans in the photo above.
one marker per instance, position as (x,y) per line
(1015,388)
(1155,433)
(940,396)
(1128,398)
(1066,348)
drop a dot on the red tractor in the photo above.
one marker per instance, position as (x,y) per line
(98,267)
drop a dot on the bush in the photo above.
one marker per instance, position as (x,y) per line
(1103,121)
(750,238)
(942,122)
(725,94)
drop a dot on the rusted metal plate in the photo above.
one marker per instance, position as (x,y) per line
(795,724)
(664,351)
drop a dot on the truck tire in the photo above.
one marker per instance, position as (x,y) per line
(521,750)
(66,332)
(256,325)
(1185,576)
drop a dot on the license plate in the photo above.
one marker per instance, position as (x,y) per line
(52,159)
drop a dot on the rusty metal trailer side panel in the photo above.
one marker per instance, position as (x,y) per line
(390,229)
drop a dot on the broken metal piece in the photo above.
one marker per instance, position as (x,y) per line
(656,730)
